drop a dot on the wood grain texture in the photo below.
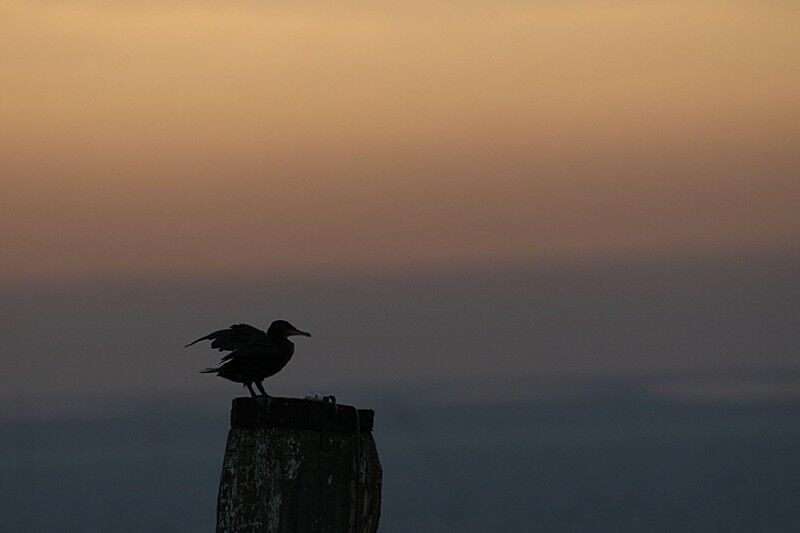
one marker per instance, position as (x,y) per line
(292,478)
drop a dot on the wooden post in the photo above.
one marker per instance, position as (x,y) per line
(296,466)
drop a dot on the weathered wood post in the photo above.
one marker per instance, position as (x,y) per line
(296,466)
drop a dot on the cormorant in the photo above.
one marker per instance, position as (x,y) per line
(254,355)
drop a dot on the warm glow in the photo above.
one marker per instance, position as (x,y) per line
(191,138)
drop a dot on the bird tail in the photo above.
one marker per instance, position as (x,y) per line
(209,370)
(198,340)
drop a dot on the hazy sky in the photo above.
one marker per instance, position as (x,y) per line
(437,191)
(189,138)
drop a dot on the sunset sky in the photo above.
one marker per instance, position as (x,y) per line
(437,191)
(554,244)
(180,138)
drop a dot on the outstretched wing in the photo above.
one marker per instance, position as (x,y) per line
(234,337)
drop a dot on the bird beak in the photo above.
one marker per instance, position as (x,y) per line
(302,333)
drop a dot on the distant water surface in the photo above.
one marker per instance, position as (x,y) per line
(599,457)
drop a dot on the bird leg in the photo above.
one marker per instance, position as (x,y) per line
(250,388)
(261,389)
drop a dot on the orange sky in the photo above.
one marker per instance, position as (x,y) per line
(174,138)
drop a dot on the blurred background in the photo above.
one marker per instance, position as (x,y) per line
(555,245)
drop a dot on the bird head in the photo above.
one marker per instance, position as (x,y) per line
(283,329)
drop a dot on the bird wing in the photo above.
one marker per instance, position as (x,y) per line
(236,336)
(261,348)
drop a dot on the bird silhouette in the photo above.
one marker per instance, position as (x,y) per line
(254,355)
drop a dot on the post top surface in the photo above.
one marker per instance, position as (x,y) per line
(297,413)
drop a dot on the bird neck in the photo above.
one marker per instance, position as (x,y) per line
(281,340)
